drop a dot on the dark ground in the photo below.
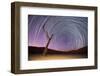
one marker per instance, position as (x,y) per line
(35,53)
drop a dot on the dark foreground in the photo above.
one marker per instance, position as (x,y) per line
(35,53)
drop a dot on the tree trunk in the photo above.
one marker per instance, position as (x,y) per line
(46,48)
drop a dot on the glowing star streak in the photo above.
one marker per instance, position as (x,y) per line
(70,33)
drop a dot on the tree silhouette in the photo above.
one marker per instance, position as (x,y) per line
(49,38)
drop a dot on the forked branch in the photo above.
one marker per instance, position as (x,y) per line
(49,40)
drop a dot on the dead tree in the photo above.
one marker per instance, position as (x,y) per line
(49,38)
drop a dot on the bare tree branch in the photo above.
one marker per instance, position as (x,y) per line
(46,48)
(49,39)
(47,35)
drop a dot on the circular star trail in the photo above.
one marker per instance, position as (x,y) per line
(70,33)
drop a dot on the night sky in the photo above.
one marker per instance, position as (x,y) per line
(70,33)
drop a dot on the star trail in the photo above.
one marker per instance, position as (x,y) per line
(70,33)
